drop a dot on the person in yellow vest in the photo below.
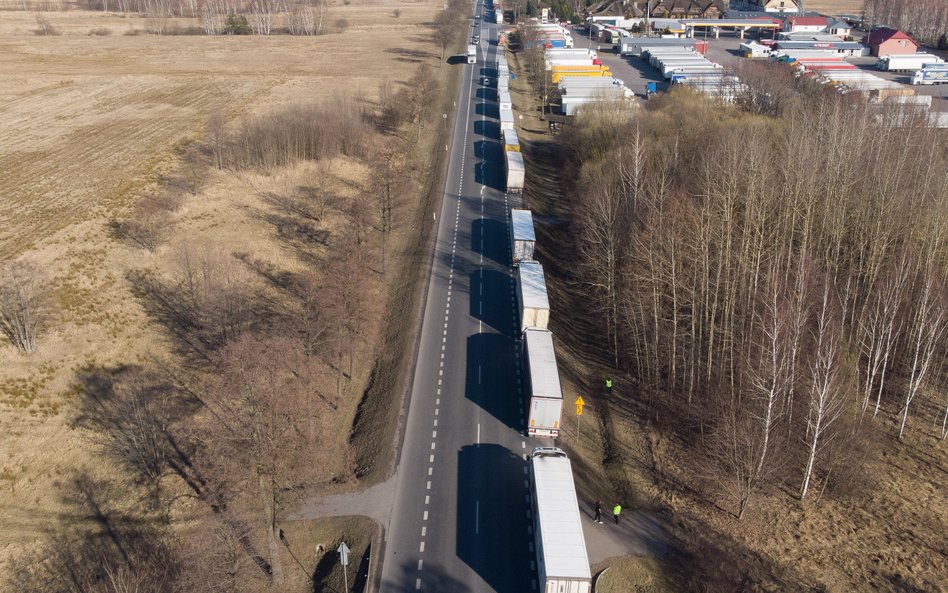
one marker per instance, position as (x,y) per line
(608,386)
(615,512)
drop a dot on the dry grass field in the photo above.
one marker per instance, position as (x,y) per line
(834,7)
(88,124)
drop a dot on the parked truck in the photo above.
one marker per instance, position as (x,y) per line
(907,62)
(471,54)
(511,140)
(562,561)
(542,383)
(513,160)
(506,119)
(499,15)
(931,74)
(505,101)
(524,235)
(532,300)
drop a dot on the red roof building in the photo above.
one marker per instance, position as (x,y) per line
(890,42)
(813,24)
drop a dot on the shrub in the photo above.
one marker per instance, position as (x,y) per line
(100,31)
(44,27)
(342,25)
(237,25)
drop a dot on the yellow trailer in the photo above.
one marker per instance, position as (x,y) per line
(560,75)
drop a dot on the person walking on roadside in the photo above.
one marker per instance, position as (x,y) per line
(615,512)
(599,512)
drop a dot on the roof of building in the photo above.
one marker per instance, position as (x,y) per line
(883,34)
(839,24)
(808,21)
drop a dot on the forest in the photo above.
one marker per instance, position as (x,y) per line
(773,274)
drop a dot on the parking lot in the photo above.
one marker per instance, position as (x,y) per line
(636,73)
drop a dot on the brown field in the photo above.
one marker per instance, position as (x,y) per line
(88,124)
(833,7)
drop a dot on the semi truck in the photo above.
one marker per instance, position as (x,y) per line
(499,15)
(562,561)
(532,300)
(524,235)
(471,54)
(907,62)
(542,380)
(513,160)
(931,74)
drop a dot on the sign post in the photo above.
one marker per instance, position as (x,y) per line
(579,412)
(343,550)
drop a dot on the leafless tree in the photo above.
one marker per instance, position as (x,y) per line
(25,303)
(927,329)
(825,390)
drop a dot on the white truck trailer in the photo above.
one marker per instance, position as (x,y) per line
(511,140)
(931,74)
(524,235)
(542,380)
(505,101)
(907,62)
(471,54)
(533,302)
(506,119)
(515,171)
(562,561)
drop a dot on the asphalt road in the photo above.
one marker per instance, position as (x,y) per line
(460,521)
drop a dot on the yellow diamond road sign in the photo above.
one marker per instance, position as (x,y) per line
(579,405)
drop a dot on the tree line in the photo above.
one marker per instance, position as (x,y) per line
(926,20)
(779,281)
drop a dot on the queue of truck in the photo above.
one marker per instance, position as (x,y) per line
(562,561)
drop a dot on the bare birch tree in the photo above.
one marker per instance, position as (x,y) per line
(25,301)
(825,390)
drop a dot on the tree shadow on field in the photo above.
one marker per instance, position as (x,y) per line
(134,414)
(97,539)
(409,55)
(200,319)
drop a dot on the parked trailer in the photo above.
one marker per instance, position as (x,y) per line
(506,120)
(634,46)
(907,62)
(571,105)
(562,561)
(533,302)
(524,235)
(542,383)
(931,74)
(558,76)
(515,171)
(505,101)
(511,140)
(499,16)
(471,54)
(571,53)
